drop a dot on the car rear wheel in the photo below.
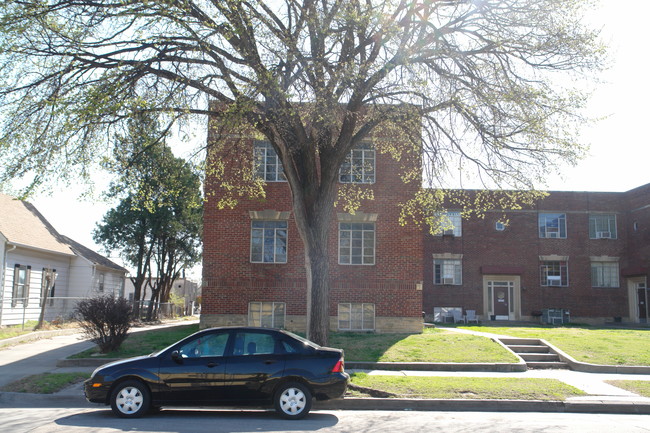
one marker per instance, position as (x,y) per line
(292,400)
(130,399)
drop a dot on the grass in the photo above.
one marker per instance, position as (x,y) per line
(46,383)
(144,342)
(641,387)
(17,330)
(433,345)
(468,387)
(593,345)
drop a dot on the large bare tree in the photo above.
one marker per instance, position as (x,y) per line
(479,78)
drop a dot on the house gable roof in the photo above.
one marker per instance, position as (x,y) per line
(91,255)
(23,225)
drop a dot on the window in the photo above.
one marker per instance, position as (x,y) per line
(552,225)
(206,345)
(20,291)
(602,226)
(267,164)
(254,343)
(447,272)
(356,243)
(451,224)
(100,284)
(47,284)
(604,274)
(499,226)
(554,273)
(357,317)
(266,314)
(268,241)
(359,165)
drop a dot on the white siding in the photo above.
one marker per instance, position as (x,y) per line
(37,261)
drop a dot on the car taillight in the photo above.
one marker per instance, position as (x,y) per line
(339,367)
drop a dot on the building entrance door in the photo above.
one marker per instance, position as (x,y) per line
(500,294)
(642,301)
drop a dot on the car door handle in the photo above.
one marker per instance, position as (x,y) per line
(212,364)
(270,361)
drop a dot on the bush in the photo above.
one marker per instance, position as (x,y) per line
(105,320)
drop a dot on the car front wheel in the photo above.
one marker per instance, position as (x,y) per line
(292,401)
(130,399)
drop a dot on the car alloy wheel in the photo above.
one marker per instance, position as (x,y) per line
(293,401)
(130,399)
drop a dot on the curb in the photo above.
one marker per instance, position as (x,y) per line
(37,335)
(438,366)
(15,399)
(484,405)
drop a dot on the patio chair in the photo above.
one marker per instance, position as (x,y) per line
(471,316)
(458,316)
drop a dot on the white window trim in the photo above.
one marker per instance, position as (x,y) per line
(363,174)
(274,262)
(279,173)
(363,325)
(453,226)
(561,216)
(374,244)
(273,317)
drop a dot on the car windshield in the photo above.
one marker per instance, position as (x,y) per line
(302,340)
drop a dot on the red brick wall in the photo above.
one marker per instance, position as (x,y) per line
(520,246)
(231,280)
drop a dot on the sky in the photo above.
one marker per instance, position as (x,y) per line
(617,161)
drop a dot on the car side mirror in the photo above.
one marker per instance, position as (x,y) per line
(176,356)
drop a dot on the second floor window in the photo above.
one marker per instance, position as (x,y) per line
(267,164)
(269,241)
(604,274)
(356,243)
(447,271)
(552,225)
(359,165)
(554,273)
(602,226)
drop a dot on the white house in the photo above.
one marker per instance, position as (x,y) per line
(38,261)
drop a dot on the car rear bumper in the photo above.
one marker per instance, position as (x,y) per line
(334,388)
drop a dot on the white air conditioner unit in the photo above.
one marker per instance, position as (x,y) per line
(447,281)
(448,232)
(603,235)
(552,234)
(553,280)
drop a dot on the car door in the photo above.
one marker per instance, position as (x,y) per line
(256,364)
(194,372)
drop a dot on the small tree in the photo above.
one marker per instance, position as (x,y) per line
(105,320)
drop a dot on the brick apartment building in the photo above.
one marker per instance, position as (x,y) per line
(253,256)
(584,253)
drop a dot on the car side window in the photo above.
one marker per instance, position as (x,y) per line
(205,345)
(254,343)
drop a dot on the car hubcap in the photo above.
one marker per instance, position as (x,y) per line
(129,400)
(292,401)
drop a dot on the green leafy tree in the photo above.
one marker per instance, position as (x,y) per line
(157,224)
(470,85)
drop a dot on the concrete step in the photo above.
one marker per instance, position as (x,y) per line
(547,365)
(539,357)
(521,341)
(521,348)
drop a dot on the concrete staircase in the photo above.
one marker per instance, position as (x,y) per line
(536,354)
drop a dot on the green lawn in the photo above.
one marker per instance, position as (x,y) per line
(46,383)
(144,342)
(433,345)
(467,387)
(593,345)
(641,387)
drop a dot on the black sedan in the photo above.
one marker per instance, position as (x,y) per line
(223,367)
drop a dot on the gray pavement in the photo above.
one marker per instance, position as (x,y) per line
(41,356)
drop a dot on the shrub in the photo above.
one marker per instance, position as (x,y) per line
(105,320)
